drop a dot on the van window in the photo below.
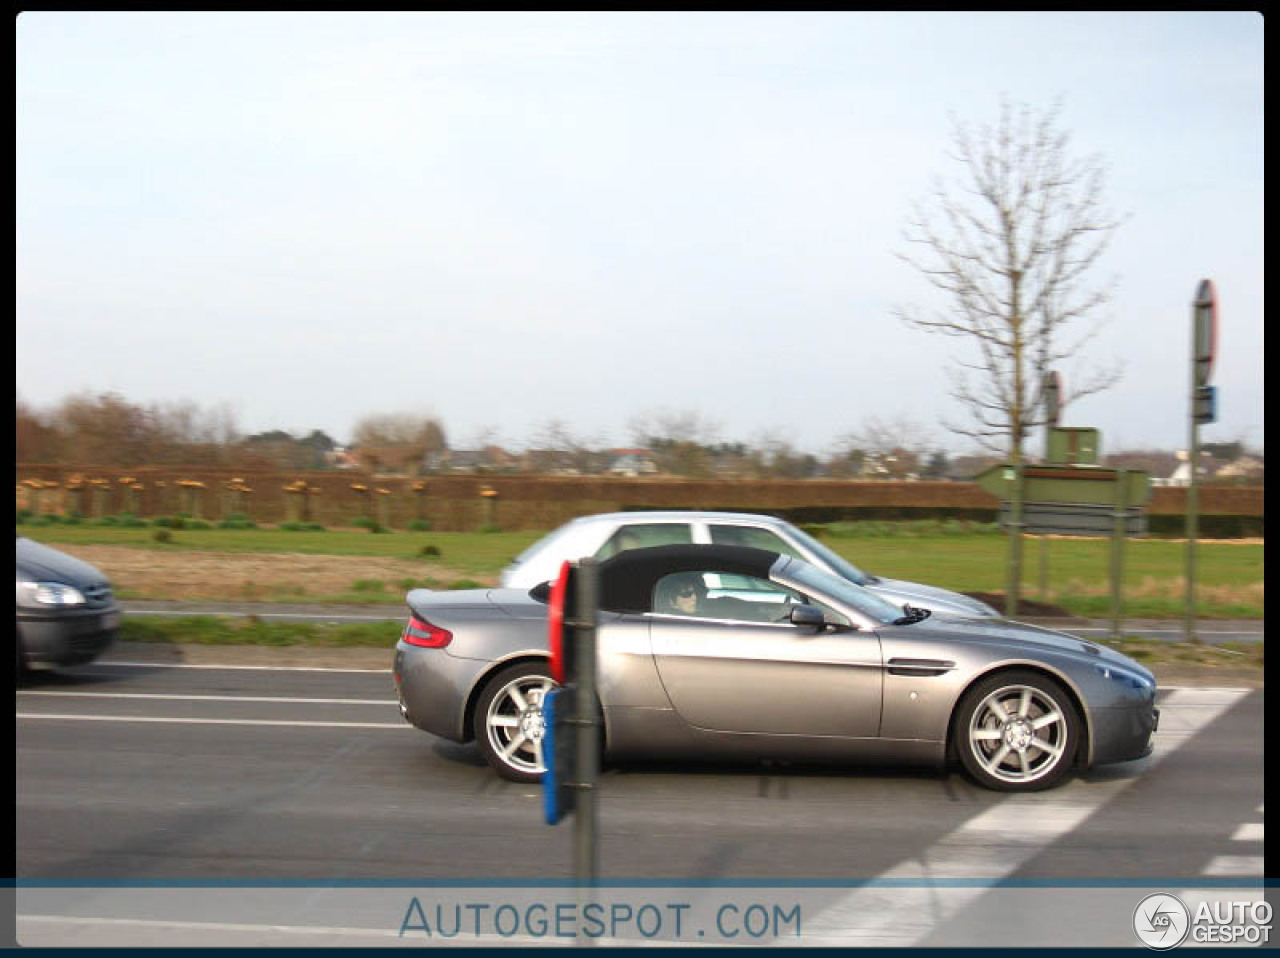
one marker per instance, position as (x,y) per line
(642,535)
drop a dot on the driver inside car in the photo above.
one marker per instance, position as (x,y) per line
(682,594)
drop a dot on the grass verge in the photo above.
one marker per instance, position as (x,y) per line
(250,630)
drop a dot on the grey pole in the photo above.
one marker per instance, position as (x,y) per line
(1193,505)
(1044,568)
(586,858)
(1117,551)
(1015,543)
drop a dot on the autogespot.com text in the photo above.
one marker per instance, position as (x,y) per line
(560,919)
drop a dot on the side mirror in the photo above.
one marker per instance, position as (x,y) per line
(808,615)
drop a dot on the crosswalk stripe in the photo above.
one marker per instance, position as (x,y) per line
(1235,865)
(1248,832)
(995,843)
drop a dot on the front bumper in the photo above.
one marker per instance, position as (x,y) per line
(1125,733)
(64,637)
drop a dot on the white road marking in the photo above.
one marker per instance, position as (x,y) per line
(1249,866)
(995,843)
(1249,832)
(206,721)
(98,933)
(209,698)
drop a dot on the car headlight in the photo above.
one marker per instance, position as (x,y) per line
(1124,676)
(50,593)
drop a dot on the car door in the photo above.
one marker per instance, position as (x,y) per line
(730,671)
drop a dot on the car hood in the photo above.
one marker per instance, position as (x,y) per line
(1033,638)
(899,591)
(39,562)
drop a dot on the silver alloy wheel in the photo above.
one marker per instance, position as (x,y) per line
(514,725)
(1019,734)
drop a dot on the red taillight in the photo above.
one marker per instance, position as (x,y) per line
(422,633)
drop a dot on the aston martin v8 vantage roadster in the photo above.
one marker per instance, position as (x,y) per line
(739,653)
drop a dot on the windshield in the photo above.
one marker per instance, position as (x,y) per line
(837,562)
(810,578)
(542,543)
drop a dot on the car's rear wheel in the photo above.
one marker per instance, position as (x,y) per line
(508,721)
(1017,732)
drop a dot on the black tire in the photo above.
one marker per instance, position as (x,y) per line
(509,736)
(1017,731)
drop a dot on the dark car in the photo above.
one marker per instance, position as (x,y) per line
(66,612)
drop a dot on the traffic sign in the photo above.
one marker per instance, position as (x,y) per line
(1074,446)
(1206,404)
(1070,484)
(1205,339)
(560,611)
(1074,519)
(558,753)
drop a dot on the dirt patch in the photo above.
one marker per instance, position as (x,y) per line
(223,576)
(1027,608)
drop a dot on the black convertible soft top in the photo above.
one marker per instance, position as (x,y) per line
(628,579)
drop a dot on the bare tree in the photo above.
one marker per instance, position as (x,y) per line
(556,445)
(1010,245)
(416,430)
(678,440)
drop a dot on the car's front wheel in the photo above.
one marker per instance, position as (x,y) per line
(1017,731)
(508,721)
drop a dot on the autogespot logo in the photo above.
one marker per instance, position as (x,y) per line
(1161,921)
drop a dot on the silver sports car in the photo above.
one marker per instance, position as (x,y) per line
(735,652)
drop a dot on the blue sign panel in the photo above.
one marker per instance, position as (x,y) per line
(557,754)
(1206,404)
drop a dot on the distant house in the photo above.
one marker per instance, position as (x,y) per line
(1245,469)
(631,463)
(488,459)
(551,462)
(339,457)
(1181,475)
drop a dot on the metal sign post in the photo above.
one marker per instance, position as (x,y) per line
(1015,543)
(1052,415)
(1204,345)
(586,858)
(1118,529)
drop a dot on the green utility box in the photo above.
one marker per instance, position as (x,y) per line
(1076,446)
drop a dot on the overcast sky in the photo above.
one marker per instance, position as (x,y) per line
(506,219)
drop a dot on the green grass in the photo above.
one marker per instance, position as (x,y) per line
(218,630)
(1229,575)
(482,553)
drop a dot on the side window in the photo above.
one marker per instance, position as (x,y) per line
(735,598)
(753,538)
(644,535)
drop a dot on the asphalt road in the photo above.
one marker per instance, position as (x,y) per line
(166,773)
(1212,631)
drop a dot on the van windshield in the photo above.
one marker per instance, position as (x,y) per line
(541,543)
(837,562)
